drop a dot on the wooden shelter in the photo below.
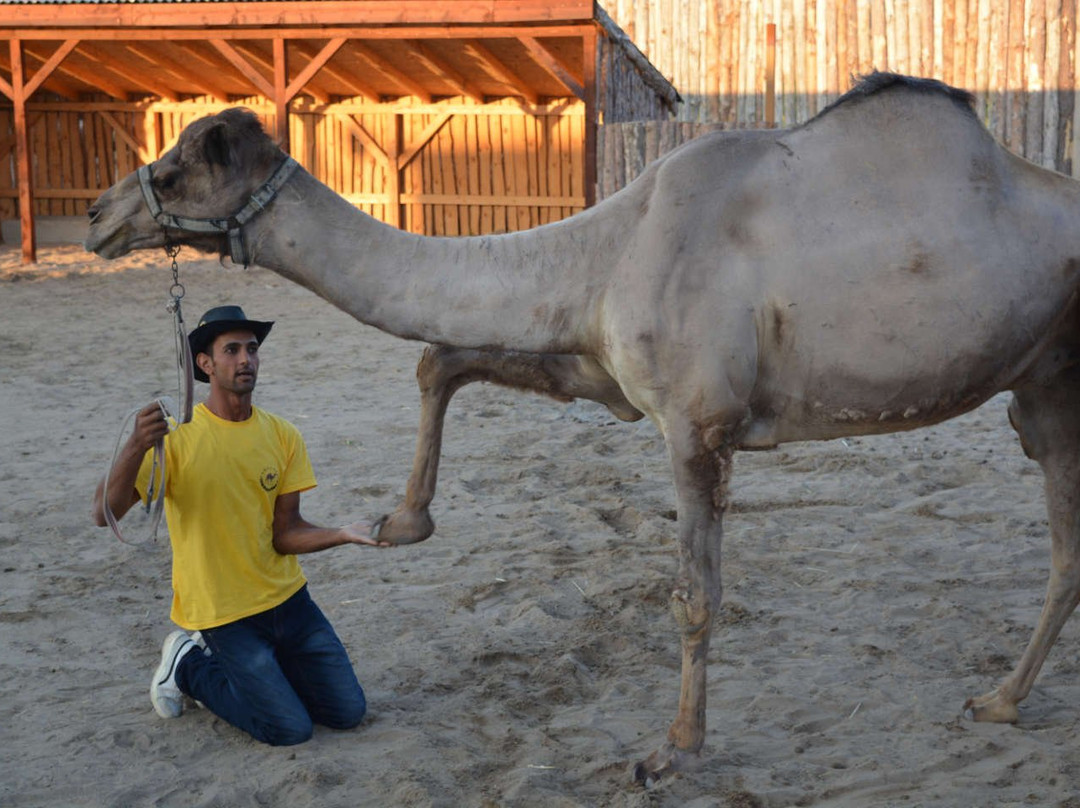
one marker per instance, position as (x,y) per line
(451,117)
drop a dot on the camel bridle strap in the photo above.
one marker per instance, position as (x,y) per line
(230,226)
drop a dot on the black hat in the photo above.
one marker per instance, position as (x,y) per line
(217,321)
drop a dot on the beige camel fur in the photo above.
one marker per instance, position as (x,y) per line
(882,267)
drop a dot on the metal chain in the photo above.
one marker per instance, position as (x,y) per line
(176,291)
(184,360)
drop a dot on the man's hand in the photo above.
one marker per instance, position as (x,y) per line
(150,427)
(294,535)
(360,533)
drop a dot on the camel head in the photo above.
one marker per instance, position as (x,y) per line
(209,174)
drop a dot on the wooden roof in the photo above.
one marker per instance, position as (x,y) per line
(377,49)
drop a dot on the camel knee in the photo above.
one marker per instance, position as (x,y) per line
(692,610)
(431,369)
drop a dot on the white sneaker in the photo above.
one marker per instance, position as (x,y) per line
(166,697)
(197,638)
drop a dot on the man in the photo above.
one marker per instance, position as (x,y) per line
(268,660)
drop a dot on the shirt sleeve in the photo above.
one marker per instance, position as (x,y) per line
(299,475)
(142,480)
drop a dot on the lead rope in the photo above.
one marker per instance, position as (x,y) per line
(185,380)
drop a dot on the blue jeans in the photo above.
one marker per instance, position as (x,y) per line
(276,673)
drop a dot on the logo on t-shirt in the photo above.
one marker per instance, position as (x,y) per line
(269,479)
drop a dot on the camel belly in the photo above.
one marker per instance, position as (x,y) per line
(876,370)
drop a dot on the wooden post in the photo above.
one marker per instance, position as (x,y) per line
(770,75)
(394,149)
(591,109)
(281,97)
(22,154)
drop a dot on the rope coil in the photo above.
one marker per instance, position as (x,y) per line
(175,416)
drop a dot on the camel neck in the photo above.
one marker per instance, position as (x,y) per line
(531,291)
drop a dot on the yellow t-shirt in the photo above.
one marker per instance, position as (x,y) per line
(222,479)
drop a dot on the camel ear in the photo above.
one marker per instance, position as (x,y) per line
(216,145)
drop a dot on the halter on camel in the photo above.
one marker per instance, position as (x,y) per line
(232,227)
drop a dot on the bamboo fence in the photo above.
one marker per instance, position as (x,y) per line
(1019,57)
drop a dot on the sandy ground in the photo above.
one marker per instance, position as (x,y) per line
(524,656)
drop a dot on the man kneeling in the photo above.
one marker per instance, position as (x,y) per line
(263,656)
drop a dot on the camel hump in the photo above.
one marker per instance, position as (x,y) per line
(880,81)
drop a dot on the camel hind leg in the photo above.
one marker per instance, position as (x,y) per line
(1047,419)
(443,371)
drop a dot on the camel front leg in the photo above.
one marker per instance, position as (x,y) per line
(443,371)
(1048,422)
(701,479)
(439,374)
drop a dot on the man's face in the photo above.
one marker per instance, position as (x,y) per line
(233,361)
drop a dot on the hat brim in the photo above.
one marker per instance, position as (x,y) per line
(202,337)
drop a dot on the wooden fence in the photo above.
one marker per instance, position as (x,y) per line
(469,169)
(1019,57)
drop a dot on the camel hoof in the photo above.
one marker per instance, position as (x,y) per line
(405,527)
(662,763)
(991,708)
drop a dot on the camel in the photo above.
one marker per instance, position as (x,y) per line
(884,266)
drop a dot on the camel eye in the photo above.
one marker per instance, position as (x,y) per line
(166,182)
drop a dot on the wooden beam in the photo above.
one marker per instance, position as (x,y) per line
(144,76)
(498,70)
(393,174)
(355,85)
(592,116)
(51,82)
(544,58)
(368,142)
(264,87)
(292,13)
(407,155)
(189,34)
(410,86)
(258,60)
(437,65)
(313,67)
(46,69)
(178,69)
(281,95)
(97,76)
(22,154)
(126,136)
